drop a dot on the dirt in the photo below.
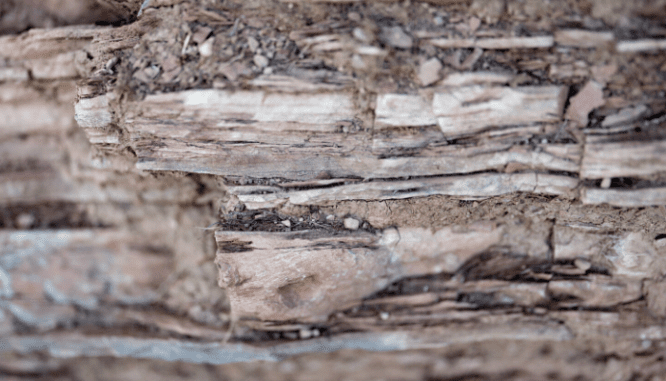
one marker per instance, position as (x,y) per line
(436,212)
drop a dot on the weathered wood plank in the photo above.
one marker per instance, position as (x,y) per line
(495,43)
(250,109)
(309,274)
(640,155)
(475,78)
(628,198)
(631,254)
(467,110)
(403,110)
(235,134)
(222,353)
(47,54)
(637,46)
(599,292)
(466,187)
(583,38)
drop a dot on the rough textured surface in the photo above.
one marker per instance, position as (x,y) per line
(388,190)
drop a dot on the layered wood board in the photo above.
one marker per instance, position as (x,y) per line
(520,175)
(307,275)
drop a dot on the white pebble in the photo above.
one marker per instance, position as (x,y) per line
(351,223)
(206,49)
(260,61)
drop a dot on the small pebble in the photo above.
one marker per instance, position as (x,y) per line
(396,37)
(353,16)
(253,44)
(582,264)
(360,35)
(25,220)
(206,49)
(384,315)
(429,71)
(286,223)
(305,334)
(260,61)
(351,223)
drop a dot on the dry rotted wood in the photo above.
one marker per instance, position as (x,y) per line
(482,155)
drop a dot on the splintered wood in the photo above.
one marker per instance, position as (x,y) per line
(301,137)
(307,275)
(468,110)
(465,176)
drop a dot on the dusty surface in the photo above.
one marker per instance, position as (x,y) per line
(106,256)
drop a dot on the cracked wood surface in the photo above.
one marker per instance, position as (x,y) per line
(466,221)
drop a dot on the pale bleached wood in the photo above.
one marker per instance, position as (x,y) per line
(598,291)
(251,109)
(583,38)
(431,152)
(475,78)
(262,140)
(70,346)
(403,110)
(93,112)
(495,43)
(628,198)
(94,116)
(637,46)
(631,255)
(466,187)
(308,275)
(619,156)
(47,54)
(273,160)
(467,110)
(43,43)
(625,115)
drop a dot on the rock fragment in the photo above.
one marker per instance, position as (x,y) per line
(588,98)
(396,37)
(352,223)
(260,61)
(429,72)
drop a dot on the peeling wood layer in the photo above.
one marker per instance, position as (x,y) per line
(461,182)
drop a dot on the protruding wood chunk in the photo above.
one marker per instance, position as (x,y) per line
(306,275)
